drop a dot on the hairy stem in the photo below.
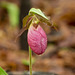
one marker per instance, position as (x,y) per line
(30,58)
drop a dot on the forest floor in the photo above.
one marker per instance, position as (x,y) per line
(62,62)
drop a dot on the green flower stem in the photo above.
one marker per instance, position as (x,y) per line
(30,58)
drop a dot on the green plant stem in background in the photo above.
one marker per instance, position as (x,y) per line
(30,58)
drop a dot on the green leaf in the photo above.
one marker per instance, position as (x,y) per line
(2,72)
(13,12)
(26,62)
(38,12)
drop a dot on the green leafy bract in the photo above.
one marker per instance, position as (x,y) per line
(38,12)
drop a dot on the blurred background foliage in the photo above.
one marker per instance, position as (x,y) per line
(60,54)
(13,12)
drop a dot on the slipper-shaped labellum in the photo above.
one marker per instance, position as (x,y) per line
(37,39)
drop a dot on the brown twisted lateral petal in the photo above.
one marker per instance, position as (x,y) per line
(48,22)
(24,28)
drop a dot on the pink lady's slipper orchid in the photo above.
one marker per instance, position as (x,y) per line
(37,39)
